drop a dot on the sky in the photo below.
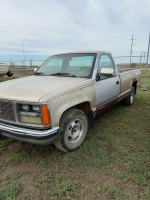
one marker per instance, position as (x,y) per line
(49,27)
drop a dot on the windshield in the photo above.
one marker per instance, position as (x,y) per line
(77,65)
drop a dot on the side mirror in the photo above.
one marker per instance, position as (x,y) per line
(107,71)
(35,69)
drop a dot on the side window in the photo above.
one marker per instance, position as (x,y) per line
(105,62)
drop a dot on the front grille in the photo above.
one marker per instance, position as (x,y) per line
(7,111)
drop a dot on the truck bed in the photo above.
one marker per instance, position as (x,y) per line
(127,76)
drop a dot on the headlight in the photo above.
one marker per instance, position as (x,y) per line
(25,107)
(36,108)
(34,114)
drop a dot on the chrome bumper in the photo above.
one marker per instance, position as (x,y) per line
(29,135)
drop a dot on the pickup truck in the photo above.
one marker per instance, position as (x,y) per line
(59,102)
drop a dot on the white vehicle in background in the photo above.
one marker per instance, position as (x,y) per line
(3,69)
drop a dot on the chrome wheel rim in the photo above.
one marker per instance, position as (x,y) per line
(131,98)
(75,131)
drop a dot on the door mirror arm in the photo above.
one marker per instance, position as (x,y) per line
(97,76)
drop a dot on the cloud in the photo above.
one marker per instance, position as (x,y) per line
(48,27)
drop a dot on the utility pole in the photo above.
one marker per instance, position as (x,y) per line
(131,47)
(144,88)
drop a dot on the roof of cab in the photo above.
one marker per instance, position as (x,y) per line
(76,52)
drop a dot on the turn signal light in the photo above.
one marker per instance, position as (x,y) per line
(45,115)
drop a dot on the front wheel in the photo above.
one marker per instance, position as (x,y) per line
(130,99)
(73,129)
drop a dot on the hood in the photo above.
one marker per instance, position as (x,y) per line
(34,88)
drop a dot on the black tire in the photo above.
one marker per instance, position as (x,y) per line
(2,137)
(128,101)
(73,130)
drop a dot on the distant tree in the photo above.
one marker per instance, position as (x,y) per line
(132,65)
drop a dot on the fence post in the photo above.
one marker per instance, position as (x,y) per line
(141,59)
(31,65)
(10,64)
(144,88)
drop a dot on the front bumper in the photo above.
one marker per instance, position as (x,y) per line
(41,137)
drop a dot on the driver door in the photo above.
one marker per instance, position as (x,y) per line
(107,88)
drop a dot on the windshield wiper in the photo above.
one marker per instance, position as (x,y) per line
(39,73)
(63,74)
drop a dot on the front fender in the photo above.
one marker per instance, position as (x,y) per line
(60,104)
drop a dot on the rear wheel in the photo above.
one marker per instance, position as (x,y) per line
(130,99)
(73,129)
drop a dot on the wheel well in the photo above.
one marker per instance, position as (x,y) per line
(134,84)
(84,106)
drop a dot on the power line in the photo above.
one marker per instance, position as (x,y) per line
(143,46)
(52,18)
(52,29)
(38,46)
(60,47)
(48,45)
(56,37)
(36,14)
(44,60)
(127,56)
(58,30)
(57,47)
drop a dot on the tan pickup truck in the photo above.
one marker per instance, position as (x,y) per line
(59,102)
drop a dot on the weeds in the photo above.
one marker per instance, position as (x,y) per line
(4,144)
(10,191)
(15,175)
(114,193)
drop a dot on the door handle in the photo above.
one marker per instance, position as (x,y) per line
(117,82)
